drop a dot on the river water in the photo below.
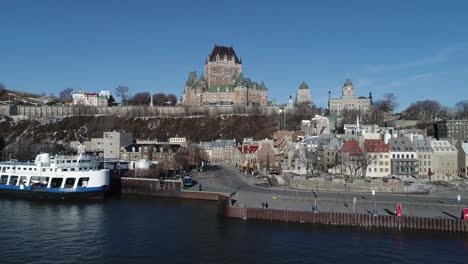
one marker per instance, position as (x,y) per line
(152,230)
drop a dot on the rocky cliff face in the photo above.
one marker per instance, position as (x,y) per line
(23,138)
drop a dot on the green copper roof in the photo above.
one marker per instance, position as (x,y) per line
(262,86)
(348,83)
(192,79)
(202,77)
(303,86)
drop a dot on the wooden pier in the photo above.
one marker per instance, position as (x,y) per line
(366,221)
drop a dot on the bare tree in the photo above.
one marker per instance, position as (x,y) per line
(143,98)
(307,157)
(159,99)
(425,110)
(389,103)
(122,92)
(355,164)
(172,99)
(461,109)
(66,94)
(2,89)
(350,115)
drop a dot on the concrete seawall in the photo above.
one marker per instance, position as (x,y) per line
(167,188)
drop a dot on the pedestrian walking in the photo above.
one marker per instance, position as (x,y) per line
(266,205)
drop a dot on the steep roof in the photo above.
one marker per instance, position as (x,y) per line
(422,145)
(222,50)
(376,145)
(402,144)
(248,149)
(351,147)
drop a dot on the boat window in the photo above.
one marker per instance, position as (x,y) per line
(83,182)
(39,182)
(13,180)
(43,170)
(23,180)
(68,161)
(69,182)
(56,182)
(72,169)
(4,179)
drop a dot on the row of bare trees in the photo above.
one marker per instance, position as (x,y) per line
(144,98)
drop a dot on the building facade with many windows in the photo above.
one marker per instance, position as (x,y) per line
(223,83)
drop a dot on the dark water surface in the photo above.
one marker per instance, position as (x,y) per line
(149,230)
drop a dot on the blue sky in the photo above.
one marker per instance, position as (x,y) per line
(415,49)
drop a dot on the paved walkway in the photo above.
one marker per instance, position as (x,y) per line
(441,204)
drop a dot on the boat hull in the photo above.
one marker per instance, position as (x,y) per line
(97,194)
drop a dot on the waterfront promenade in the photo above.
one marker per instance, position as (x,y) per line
(439,204)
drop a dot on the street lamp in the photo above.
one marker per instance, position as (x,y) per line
(315,209)
(375,205)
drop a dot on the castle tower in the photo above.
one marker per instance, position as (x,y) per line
(303,97)
(348,90)
(221,65)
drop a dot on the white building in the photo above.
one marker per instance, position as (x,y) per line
(445,166)
(91,99)
(349,101)
(462,158)
(108,146)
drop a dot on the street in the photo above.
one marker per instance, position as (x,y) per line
(247,194)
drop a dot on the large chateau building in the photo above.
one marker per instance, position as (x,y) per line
(223,83)
(349,101)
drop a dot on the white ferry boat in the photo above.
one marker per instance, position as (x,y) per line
(62,177)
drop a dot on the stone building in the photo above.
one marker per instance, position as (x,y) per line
(223,83)
(174,156)
(404,157)
(451,129)
(108,146)
(349,101)
(425,157)
(445,166)
(303,97)
(220,151)
(378,152)
(462,148)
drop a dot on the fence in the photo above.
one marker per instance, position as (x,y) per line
(349,219)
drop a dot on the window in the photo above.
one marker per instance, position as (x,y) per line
(83,182)
(23,180)
(13,180)
(4,179)
(69,182)
(56,182)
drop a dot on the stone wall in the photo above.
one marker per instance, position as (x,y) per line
(7,110)
(137,111)
(340,185)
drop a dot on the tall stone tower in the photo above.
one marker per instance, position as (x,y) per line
(303,97)
(221,65)
(348,90)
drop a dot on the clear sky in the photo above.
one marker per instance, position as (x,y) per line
(415,49)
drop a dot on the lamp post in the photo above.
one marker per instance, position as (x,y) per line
(375,205)
(354,205)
